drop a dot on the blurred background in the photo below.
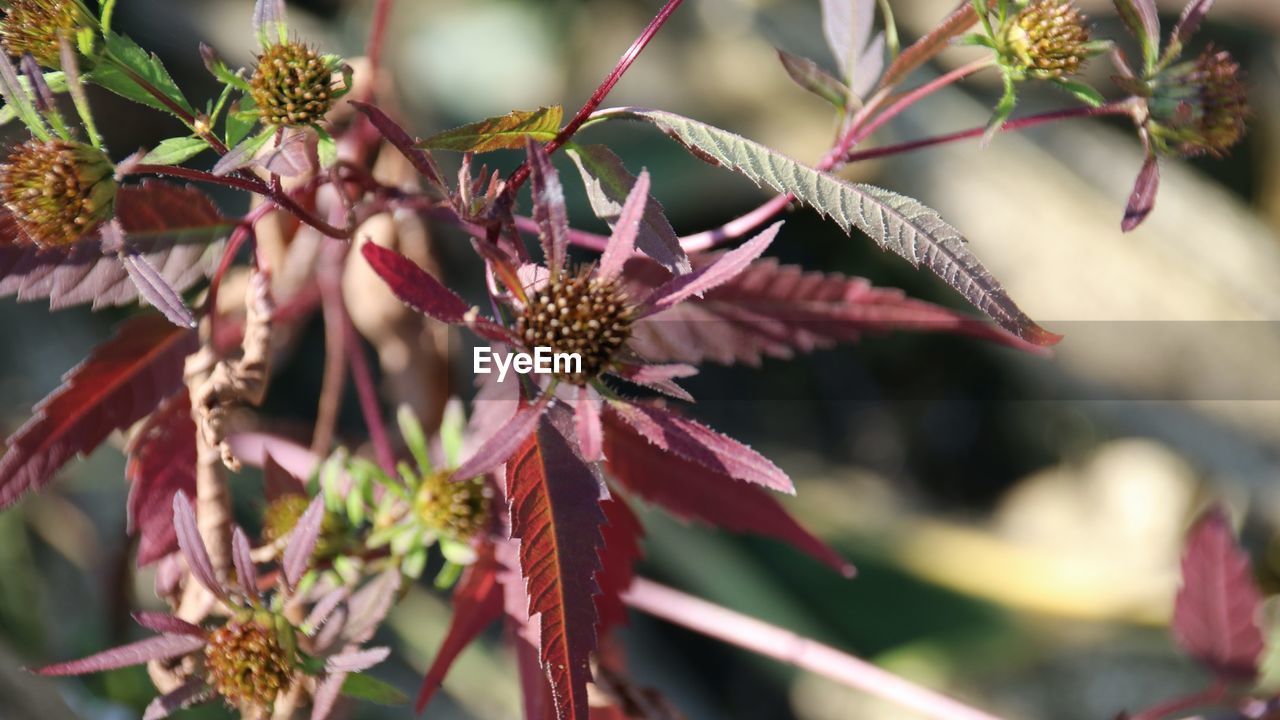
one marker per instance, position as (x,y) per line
(1016,519)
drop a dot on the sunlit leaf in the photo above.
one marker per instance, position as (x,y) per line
(510,131)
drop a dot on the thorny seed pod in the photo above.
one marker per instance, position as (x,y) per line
(460,509)
(292,85)
(35,26)
(57,190)
(1047,39)
(250,660)
(581,314)
(1199,106)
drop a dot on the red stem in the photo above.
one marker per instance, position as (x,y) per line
(1208,696)
(785,646)
(377,37)
(363,377)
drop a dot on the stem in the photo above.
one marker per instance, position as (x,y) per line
(624,63)
(377,38)
(368,394)
(1208,696)
(787,647)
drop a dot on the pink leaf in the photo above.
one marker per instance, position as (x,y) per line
(503,443)
(302,542)
(1215,616)
(190,693)
(691,492)
(477,602)
(192,545)
(327,693)
(587,416)
(167,624)
(548,207)
(246,571)
(118,384)
(157,291)
(721,271)
(162,461)
(701,445)
(1143,20)
(1143,198)
(156,648)
(555,513)
(623,241)
(356,661)
(659,377)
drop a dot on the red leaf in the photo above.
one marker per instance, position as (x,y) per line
(118,384)
(548,207)
(701,445)
(555,513)
(726,267)
(173,227)
(477,602)
(397,136)
(623,241)
(691,492)
(618,558)
(162,461)
(778,310)
(1215,617)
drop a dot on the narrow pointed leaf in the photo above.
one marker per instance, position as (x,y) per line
(246,570)
(661,378)
(895,222)
(809,76)
(1143,20)
(608,184)
(269,22)
(161,462)
(548,207)
(1143,198)
(700,445)
(919,52)
(396,135)
(1216,613)
(692,493)
(477,602)
(243,154)
(509,131)
(503,444)
(193,547)
(130,61)
(556,515)
(1189,20)
(118,384)
(623,241)
(156,648)
(166,624)
(175,150)
(326,696)
(725,268)
(189,693)
(370,689)
(302,542)
(356,661)
(157,291)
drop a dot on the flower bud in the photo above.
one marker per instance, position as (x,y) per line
(250,660)
(459,508)
(1047,39)
(578,314)
(1198,107)
(35,26)
(57,190)
(292,85)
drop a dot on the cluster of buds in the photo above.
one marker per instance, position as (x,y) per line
(251,659)
(458,508)
(293,85)
(57,190)
(1197,107)
(36,27)
(1048,39)
(579,313)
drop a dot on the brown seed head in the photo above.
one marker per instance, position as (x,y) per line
(459,508)
(1048,39)
(1199,107)
(580,314)
(247,664)
(34,26)
(292,85)
(57,190)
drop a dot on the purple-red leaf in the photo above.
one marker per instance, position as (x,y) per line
(396,135)
(504,442)
(927,47)
(190,693)
(1143,20)
(1215,616)
(193,547)
(167,624)
(246,571)
(175,228)
(162,461)
(680,436)
(477,602)
(707,277)
(156,648)
(555,513)
(302,542)
(691,492)
(623,241)
(618,557)
(548,207)
(1143,198)
(156,290)
(1190,19)
(118,384)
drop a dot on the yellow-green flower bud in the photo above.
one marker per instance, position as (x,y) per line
(292,85)
(1047,39)
(459,509)
(57,190)
(34,26)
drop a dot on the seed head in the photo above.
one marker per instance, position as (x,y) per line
(1199,107)
(248,661)
(1048,39)
(459,508)
(292,85)
(57,190)
(578,314)
(34,26)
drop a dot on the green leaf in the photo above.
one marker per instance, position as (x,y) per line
(1003,109)
(452,427)
(505,132)
(359,686)
(896,223)
(809,76)
(126,69)
(414,563)
(448,575)
(175,151)
(1084,92)
(241,120)
(414,437)
(326,147)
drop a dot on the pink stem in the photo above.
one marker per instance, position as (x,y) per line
(785,646)
(378,35)
(1209,696)
(368,394)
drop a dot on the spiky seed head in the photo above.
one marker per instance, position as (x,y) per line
(57,190)
(35,26)
(458,508)
(1199,107)
(579,313)
(249,661)
(1048,39)
(292,85)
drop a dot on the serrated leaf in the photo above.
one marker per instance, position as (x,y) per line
(692,492)
(477,603)
(118,384)
(156,648)
(504,132)
(161,462)
(1216,613)
(919,52)
(1084,92)
(809,76)
(555,513)
(619,553)
(359,686)
(726,267)
(608,183)
(895,222)
(549,210)
(177,228)
(1189,21)
(241,119)
(128,66)
(175,151)
(397,136)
